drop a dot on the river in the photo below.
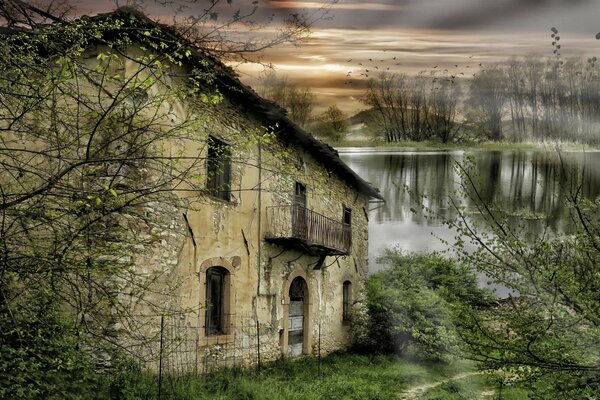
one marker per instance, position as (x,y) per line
(530,185)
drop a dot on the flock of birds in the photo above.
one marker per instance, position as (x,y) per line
(370,66)
(445,73)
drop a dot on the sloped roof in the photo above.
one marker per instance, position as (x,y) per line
(243,95)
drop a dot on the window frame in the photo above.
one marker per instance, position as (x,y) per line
(347,225)
(218,327)
(346,300)
(218,168)
(347,212)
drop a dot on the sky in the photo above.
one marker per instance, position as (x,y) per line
(416,35)
(410,36)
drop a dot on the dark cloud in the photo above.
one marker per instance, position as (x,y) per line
(460,15)
(419,33)
(481,14)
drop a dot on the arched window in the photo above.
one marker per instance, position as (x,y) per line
(346,300)
(217,304)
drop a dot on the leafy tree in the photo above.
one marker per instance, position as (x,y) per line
(39,353)
(332,123)
(417,302)
(222,28)
(92,153)
(546,333)
(81,158)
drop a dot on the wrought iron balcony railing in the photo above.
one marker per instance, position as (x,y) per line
(299,227)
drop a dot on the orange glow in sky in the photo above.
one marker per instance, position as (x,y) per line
(358,39)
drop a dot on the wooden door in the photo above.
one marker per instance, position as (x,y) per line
(296,317)
(299,225)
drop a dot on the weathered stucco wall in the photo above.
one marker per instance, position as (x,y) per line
(231,235)
(199,232)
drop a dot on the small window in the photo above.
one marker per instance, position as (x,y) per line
(346,299)
(347,216)
(347,228)
(216,295)
(218,169)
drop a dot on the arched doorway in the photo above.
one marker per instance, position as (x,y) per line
(296,317)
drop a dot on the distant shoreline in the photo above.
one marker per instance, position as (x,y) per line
(362,146)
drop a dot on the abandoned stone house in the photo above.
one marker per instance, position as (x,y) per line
(271,247)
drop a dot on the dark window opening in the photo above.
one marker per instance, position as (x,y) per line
(216,288)
(346,287)
(347,227)
(298,290)
(218,169)
(347,216)
(300,194)
(299,223)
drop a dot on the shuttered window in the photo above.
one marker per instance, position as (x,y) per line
(216,290)
(346,298)
(218,169)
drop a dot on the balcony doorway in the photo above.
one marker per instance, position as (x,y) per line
(299,222)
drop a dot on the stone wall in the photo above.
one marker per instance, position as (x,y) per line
(204,232)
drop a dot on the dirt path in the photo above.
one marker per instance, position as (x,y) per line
(416,391)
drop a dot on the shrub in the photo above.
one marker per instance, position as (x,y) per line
(416,303)
(40,356)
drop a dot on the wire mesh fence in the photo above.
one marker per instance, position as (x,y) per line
(181,349)
(184,347)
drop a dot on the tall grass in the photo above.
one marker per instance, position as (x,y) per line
(338,376)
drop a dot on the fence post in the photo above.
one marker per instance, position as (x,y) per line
(197,349)
(160,359)
(319,352)
(257,346)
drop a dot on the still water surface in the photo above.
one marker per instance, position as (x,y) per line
(531,185)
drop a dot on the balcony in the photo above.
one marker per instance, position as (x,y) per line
(301,228)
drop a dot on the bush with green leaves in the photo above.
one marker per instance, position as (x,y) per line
(333,124)
(417,302)
(546,334)
(40,356)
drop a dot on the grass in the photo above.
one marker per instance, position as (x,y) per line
(481,386)
(339,376)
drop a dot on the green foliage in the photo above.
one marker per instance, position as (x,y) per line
(332,124)
(417,301)
(338,376)
(40,356)
(80,158)
(543,334)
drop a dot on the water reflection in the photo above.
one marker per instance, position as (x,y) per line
(530,186)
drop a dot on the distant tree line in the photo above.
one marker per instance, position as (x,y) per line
(297,101)
(521,99)
(332,123)
(413,107)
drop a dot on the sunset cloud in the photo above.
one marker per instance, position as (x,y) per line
(403,36)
